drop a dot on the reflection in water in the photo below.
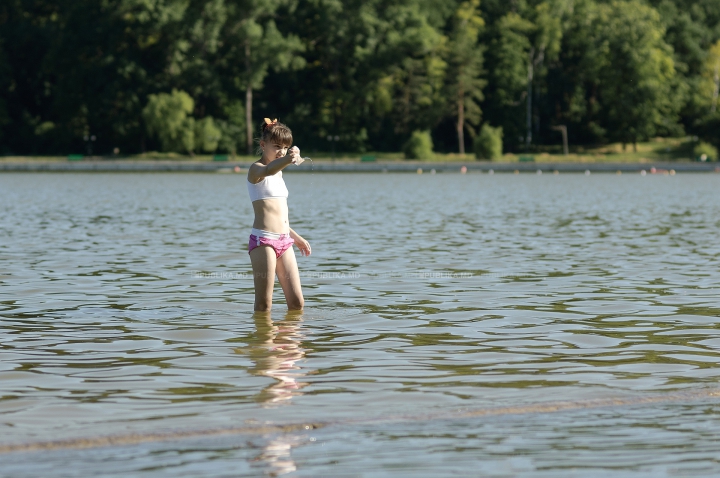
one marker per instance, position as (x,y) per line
(276,455)
(276,348)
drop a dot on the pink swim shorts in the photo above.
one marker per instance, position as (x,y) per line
(279,245)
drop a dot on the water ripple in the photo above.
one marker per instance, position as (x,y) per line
(127,302)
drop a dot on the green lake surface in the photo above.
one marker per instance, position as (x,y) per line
(455,325)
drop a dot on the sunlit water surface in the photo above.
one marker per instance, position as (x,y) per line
(126,306)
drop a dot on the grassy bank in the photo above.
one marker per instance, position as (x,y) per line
(659,149)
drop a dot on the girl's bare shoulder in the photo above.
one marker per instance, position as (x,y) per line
(256,172)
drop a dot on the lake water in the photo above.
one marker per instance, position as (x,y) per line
(495,325)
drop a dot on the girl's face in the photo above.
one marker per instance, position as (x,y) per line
(273,150)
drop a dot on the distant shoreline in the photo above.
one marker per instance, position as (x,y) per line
(472,166)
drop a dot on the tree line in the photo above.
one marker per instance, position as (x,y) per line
(360,75)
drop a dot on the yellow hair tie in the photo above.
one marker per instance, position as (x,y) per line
(269,123)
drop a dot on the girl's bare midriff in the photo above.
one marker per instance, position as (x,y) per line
(271,215)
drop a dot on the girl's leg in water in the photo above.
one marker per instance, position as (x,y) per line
(263,264)
(289,277)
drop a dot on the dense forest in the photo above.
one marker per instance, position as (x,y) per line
(187,75)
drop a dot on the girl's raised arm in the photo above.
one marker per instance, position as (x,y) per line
(259,171)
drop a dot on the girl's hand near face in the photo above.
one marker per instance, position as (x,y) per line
(294,154)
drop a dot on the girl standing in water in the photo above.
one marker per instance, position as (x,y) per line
(271,239)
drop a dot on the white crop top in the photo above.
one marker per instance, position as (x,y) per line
(270,187)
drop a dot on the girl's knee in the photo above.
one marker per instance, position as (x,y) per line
(262,305)
(296,303)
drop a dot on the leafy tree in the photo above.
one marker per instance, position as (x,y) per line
(707,122)
(522,42)
(207,135)
(26,32)
(166,116)
(375,71)
(368,71)
(419,77)
(232,137)
(419,146)
(710,85)
(635,72)
(105,58)
(194,57)
(691,27)
(545,45)
(705,151)
(5,81)
(465,60)
(253,45)
(615,78)
(488,144)
(508,55)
